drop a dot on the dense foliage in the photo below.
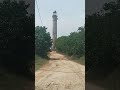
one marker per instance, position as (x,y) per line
(72,45)
(42,41)
(103,37)
(16,35)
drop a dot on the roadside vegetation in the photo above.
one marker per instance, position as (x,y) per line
(80,60)
(16,33)
(73,45)
(103,36)
(39,62)
(42,46)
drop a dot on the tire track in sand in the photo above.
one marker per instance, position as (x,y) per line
(60,74)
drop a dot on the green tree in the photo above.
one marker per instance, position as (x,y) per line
(17,35)
(103,36)
(72,45)
(42,41)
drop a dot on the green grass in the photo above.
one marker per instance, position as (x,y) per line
(39,62)
(80,60)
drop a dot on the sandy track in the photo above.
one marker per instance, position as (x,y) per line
(60,74)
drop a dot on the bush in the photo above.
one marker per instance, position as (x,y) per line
(17,36)
(74,44)
(42,41)
(103,37)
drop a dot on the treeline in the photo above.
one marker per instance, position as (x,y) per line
(16,37)
(42,41)
(103,37)
(72,45)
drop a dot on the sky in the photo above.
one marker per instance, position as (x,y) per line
(71,15)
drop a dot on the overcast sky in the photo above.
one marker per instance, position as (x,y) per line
(71,15)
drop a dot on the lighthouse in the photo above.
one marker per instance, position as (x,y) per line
(54,32)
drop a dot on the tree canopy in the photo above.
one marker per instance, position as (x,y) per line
(103,36)
(42,41)
(17,35)
(74,44)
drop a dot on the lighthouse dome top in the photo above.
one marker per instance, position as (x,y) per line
(54,13)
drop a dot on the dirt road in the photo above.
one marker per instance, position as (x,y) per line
(60,74)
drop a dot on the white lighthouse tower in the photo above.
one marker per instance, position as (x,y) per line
(54,33)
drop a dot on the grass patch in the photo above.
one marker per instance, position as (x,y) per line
(80,60)
(39,62)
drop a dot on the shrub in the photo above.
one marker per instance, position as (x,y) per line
(74,44)
(42,41)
